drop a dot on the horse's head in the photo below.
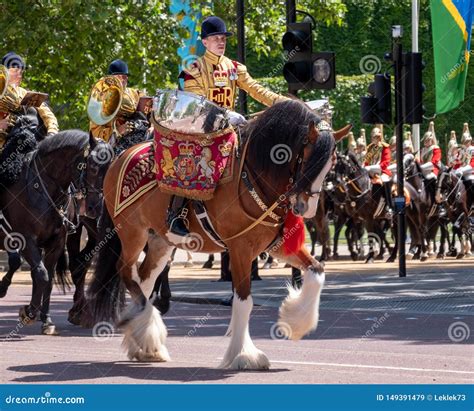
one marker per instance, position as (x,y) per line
(313,162)
(97,162)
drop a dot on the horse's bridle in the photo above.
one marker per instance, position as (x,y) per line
(71,193)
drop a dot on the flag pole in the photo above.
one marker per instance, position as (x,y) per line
(414,46)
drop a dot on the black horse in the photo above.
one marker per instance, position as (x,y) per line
(35,205)
(360,204)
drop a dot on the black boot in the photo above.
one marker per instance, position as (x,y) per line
(177,216)
(387,190)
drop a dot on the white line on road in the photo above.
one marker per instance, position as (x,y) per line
(382,367)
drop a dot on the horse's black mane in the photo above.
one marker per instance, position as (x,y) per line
(75,139)
(286,124)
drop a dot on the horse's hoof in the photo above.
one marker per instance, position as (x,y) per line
(390,260)
(354,256)
(256,278)
(207,264)
(3,291)
(267,266)
(49,329)
(74,318)
(369,260)
(424,258)
(440,256)
(409,256)
(26,318)
(459,256)
(162,304)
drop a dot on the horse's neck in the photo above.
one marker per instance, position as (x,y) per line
(58,167)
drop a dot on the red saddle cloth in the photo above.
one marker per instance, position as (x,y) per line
(192,165)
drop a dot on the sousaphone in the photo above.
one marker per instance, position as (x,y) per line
(105,100)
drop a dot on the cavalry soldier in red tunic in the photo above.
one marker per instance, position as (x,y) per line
(16,67)
(430,165)
(217,78)
(377,161)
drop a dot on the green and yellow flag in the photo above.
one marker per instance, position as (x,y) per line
(451,25)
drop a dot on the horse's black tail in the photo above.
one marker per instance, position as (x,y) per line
(106,293)
(62,277)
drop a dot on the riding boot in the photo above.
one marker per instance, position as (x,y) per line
(387,191)
(177,216)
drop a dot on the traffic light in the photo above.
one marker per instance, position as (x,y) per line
(377,108)
(412,88)
(304,69)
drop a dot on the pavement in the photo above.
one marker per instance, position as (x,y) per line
(374,328)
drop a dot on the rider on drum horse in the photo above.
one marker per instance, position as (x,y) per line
(377,161)
(10,103)
(216,77)
(128,107)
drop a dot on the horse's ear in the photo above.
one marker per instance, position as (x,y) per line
(342,132)
(92,141)
(313,132)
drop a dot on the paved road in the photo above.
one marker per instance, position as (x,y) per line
(374,328)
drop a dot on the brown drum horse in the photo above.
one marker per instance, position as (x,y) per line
(287,152)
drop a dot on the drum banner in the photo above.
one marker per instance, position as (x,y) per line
(136,176)
(191,165)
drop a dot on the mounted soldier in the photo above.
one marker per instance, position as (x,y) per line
(454,152)
(217,78)
(17,101)
(377,161)
(466,170)
(113,107)
(430,165)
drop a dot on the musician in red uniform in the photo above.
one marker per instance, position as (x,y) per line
(377,161)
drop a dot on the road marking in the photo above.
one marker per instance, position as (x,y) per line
(370,366)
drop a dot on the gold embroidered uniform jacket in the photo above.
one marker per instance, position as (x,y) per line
(49,119)
(217,78)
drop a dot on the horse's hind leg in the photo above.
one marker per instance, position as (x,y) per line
(144,330)
(14,263)
(242,353)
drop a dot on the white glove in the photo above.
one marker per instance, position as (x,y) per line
(236,119)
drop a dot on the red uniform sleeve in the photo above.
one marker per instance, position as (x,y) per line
(385,160)
(472,161)
(436,160)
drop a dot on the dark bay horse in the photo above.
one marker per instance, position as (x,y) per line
(35,207)
(289,125)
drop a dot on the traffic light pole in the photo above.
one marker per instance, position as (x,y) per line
(243,108)
(397,56)
(291,18)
